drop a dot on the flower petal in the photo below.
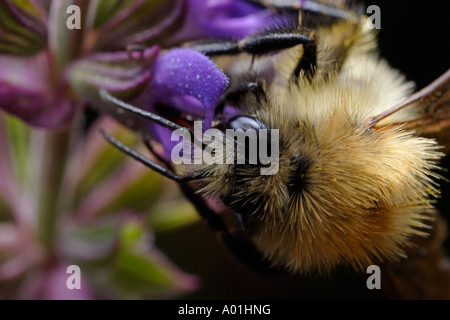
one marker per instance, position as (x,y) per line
(189,82)
(21,28)
(122,73)
(25,91)
(186,72)
(222,19)
(144,22)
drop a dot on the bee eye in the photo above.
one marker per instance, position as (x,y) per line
(245,123)
(255,140)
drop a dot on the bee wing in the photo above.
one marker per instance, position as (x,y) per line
(433,103)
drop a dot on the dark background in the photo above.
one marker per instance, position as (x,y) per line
(414,38)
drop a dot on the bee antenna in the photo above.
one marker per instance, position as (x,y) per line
(107,96)
(149,163)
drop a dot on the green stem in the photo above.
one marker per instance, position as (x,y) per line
(56,149)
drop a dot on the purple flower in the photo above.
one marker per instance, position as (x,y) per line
(72,198)
(188,82)
(102,228)
(180,81)
(222,19)
(39,54)
(26,90)
(38,50)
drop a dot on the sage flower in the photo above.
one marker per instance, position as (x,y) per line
(67,198)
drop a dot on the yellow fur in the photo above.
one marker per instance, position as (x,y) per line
(363,193)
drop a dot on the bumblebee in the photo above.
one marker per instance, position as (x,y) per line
(356,177)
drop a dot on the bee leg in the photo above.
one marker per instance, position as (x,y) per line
(307,63)
(264,43)
(257,44)
(238,245)
(275,40)
(209,216)
(246,252)
(149,163)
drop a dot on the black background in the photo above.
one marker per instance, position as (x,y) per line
(414,38)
